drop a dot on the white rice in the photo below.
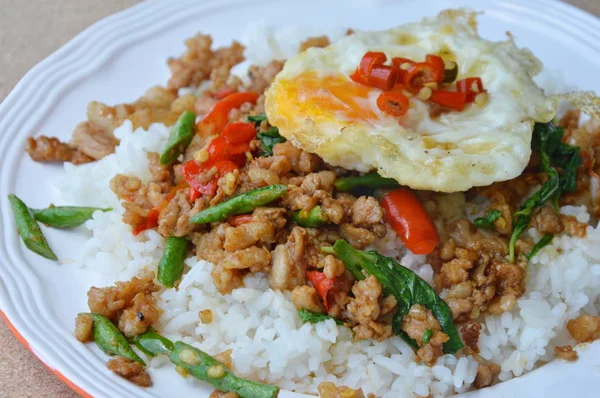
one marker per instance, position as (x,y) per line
(261,326)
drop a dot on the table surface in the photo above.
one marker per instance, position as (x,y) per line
(23,45)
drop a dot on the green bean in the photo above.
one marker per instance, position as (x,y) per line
(370,181)
(151,343)
(29,230)
(179,138)
(65,216)
(240,204)
(204,367)
(110,339)
(313,219)
(171,263)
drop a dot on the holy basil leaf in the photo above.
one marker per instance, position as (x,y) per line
(488,220)
(261,117)
(316,317)
(269,139)
(545,241)
(547,140)
(404,285)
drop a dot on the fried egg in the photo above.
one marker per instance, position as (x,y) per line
(316,105)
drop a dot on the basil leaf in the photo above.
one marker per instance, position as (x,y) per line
(404,285)
(545,241)
(488,220)
(316,317)
(547,140)
(269,139)
(261,117)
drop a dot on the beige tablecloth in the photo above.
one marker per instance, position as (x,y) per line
(29,31)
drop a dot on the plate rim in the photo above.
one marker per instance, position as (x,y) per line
(51,72)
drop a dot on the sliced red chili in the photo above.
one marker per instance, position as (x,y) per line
(393,103)
(449,99)
(358,78)
(322,284)
(383,77)
(470,86)
(405,213)
(438,65)
(149,222)
(239,133)
(419,74)
(369,60)
(215,120)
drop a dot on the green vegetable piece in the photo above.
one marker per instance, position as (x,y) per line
(65,216)
(547,140)
(204,367)
(111,340)
(404,285)
(488,220)
(151,343)
(269,139)
(171,263)
(29,230)
(545,241)
(179,138)
(261,117)
(369,181)
(427,336)
(316,317)
(313,219)
(241,204)
(450,72)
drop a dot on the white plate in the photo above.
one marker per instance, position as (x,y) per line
(117,59)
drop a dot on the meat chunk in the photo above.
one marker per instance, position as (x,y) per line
(256,259)
(84,328)
(288,267)
(306,298)
(262,229)
(364,310)
(573,227)
(357,237)
(302,162)
(130,370)
(315,41)
(416,323)
(226,279)
(470,334)
(109,301)
(50,149)
(136,319)
(547,221)
(566,352)
(174,218)
(486,375)
(93,141)
(329,390)
(261,77)
(199,61)
(584,328)
(332,266)
(209,246)
(366,212)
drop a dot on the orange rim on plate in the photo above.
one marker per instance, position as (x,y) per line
(62,377)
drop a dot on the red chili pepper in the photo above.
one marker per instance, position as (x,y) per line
(383,77)
(369,60)
(358,78)
(449,99)
(322,284)
(239,133)
(150,222)
(236,221)
(406,215)
(215,120)
(438,64)
(393,103)
(190,169)
(470,86)
(419,74)
(222,93)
